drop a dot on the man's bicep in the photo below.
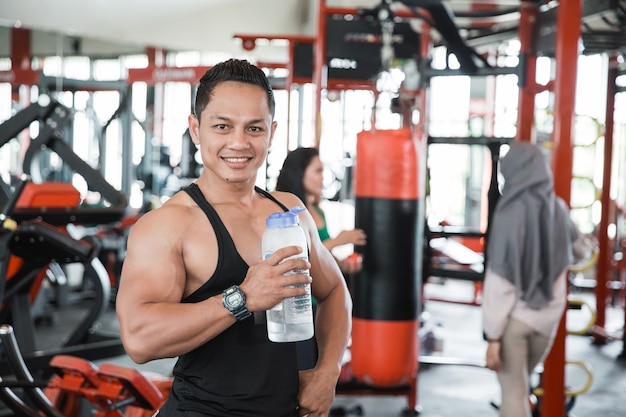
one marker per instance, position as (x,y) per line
(325,272)
(151,270)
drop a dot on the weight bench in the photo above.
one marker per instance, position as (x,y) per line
(113,390)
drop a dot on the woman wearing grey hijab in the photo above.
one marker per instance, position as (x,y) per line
(528,253)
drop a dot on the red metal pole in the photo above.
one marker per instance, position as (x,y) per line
(426,44)
(156,59)
(421,132)
(603,267)
(291,67)
(319,69)
(567,36)
(526,100)
(20,48)
(20,61)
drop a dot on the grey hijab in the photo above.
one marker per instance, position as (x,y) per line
(528,242)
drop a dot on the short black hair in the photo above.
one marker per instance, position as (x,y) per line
(239,70)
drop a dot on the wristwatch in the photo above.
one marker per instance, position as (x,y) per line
(235,301)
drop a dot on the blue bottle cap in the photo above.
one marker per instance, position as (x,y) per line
(284,218)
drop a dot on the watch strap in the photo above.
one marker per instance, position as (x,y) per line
(242,313)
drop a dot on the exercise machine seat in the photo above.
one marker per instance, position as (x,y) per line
(75,372)
(146,393)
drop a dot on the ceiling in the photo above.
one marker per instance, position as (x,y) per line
(117,27)
(201,25)
(110,26)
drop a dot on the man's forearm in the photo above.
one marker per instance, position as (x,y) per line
(333,327)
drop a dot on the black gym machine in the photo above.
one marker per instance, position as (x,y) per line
(34,237)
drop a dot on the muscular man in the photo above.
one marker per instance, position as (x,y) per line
(206,239)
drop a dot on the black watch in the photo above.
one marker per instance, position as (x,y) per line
(235,301)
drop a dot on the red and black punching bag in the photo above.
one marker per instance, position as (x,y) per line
(388,206)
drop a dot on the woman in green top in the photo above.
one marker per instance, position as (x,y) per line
(302,174)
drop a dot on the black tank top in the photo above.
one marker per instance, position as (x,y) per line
(240,372)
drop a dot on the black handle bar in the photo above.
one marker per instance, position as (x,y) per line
(12,201)
(16,361)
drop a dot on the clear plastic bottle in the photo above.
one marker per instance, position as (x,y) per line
(292,319)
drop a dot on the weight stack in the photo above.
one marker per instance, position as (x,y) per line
(389,207)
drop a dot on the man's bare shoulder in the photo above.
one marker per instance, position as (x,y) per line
(291,200)
(288,199)
(171,216)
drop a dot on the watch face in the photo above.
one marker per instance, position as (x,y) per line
(234,300)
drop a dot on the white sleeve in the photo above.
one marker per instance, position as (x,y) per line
(499,299)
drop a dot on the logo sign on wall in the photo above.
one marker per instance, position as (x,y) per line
(353,49)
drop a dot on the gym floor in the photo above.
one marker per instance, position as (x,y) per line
(449,390)
(468,390)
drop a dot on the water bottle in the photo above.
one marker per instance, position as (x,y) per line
(292,319)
